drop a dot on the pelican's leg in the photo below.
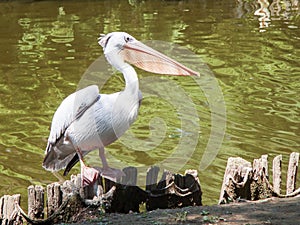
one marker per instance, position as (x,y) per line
(103,158)
(108,172)
(88,175)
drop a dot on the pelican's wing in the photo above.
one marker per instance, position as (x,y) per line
(72,108)
(60,152)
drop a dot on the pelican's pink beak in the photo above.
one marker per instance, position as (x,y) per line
(150,60)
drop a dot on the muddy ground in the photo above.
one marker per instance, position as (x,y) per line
(270,211)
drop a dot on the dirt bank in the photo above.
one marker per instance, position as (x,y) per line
(270,211)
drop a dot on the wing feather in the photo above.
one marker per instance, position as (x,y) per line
(72,108)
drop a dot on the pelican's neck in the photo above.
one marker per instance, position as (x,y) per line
(128,99)
(131,79)
(130,76)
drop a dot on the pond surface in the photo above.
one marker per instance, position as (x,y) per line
(246,102)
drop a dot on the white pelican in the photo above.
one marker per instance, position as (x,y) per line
(87,120)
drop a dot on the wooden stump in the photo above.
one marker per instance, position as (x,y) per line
(175,190)
(8,211)
(36,202)
(54,198)
(236,182)
(127,196)
(151,178)
(260,188)
(193,183)
(292,173)
(277,174)
(130,177)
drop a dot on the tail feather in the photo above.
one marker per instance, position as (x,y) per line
(72,163)
(58,158)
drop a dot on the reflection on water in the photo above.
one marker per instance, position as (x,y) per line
(268,11)
(264,14)
(36,32)
(62,31)
(46,47)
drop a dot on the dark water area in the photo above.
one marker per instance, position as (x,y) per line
(246,102)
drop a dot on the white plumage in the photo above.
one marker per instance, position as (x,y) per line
(87,120)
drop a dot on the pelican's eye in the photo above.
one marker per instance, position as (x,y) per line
(127,39)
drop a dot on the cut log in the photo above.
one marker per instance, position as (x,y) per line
(264,163)
(236,181)
(260,166)
(166,179)
(54,198)
(292,172)
(8,210)
(126,198)
(175,190)
(260,186)
(36,202)
(193,183)
(277,174)
(130,177)
(151,179)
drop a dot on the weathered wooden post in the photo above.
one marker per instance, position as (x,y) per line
(151,178)
(8,211)
(236,181)
(192,181)
(173,190)
(71,186)
(166,178)
(260,188)
(54,198)
(292,172)
(127,195)
(36,202)
(130,177)
(277,174)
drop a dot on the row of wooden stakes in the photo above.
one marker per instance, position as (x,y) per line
(66,200)
(242,181)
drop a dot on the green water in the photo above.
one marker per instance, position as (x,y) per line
(246,102)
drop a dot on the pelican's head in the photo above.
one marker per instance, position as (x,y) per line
(120,47)
(114,41)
